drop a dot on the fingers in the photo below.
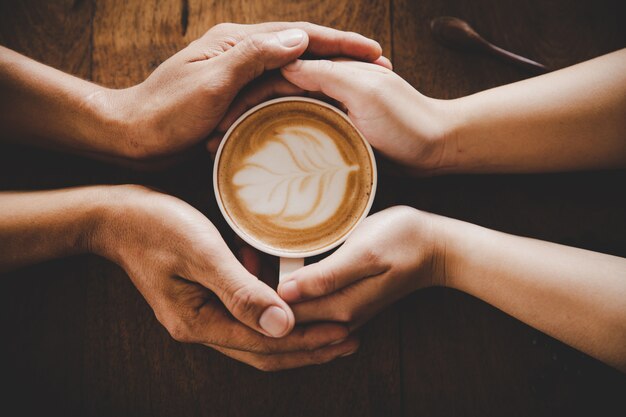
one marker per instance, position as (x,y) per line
(323,41)
(211,324)
(383,62)
(327,42)
(343,81)
(351,306)
(277,362)
(259,52)
(266,88)
(332,273)
(248,299)
(254,303)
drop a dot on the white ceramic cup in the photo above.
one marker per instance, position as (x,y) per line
(290,261)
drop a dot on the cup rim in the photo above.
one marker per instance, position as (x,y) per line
(260,245)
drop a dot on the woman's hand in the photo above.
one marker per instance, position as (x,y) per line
(574,295)
(570,119)
(391,254)
(404,125)
(197,288)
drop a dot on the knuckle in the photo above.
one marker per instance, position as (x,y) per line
(377,84)
(402,211)
(345,315)
(318,357)
(179,330)
(306,26)
(242,301)
(326,282)
(265,365)
(325,66)
(308,343)
(256,44)
(371,256)
(222,28)
(301,339)
(195,44)
(252,50)
(258,345)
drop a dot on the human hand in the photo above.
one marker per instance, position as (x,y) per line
(197,288)
(389,255)
(404,125)
(183,100)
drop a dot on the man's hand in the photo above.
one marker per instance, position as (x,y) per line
(389,255)
(175,108)
(184,99)
(197,288)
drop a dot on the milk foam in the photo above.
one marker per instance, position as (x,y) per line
(298,178)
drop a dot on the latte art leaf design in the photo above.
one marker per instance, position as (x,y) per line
(298,178)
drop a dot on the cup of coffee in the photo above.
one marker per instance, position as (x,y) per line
(293,177)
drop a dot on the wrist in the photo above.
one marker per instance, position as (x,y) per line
(115,206)
(448,119)
(462,251)
(114,123)
(436,247)
(425,235)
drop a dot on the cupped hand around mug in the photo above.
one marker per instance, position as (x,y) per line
(398,121)
(198,290)
(389,255)
(183,100)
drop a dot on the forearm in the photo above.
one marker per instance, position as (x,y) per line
(574,295)
(571,119)
(40,225)
(42,106)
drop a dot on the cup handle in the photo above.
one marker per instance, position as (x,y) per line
(288,265)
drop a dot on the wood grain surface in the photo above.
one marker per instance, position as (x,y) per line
(80,340)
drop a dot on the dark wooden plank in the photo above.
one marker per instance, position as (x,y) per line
(55,33)
(461,356)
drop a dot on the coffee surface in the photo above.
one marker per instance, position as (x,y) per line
(295,176)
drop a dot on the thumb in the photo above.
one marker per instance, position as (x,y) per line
(341,81)
(342,268)
(249,299)
(259,52)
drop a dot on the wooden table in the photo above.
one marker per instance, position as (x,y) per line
(78,339)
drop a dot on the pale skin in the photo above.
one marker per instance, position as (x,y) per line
(173,254)
(572,119)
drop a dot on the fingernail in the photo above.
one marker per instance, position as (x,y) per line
(274,321)
(290,38)
(289,291)
(352,352)
(336,342)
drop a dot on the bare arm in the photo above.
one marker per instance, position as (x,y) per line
(571,119)
(175,108)
(574,295)
(42,106)
(36,226)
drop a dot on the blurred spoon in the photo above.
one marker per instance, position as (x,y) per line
(455,32)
